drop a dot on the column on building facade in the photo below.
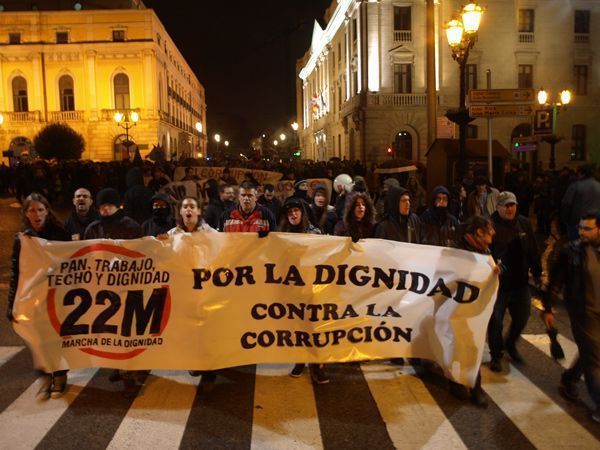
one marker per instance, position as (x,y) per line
(38,85)
(89,61)
(373,27)
(347,29)
(359,44)
(150,82)
(3,95)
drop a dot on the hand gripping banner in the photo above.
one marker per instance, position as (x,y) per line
(200,301)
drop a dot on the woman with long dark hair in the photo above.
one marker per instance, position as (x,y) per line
(359,218)
(38,221)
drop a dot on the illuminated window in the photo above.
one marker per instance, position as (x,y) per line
(19,87)
(14,38)
(62,37)
(118,35)
(121,88)
(581,79)
(402,78)
(525,76)
(526,20)
(67,96)
(578,152)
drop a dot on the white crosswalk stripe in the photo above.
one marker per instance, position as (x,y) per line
(412,417)
(30,419)
(158,416)
(284,413)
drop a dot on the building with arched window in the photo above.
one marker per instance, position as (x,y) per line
(362,86)
(82,66)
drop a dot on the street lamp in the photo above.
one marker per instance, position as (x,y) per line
(461,35)
(226,143)
(282,137)
(565,98)
(275,142)
(199,127)
(127,121)
(295,126)
(217,137)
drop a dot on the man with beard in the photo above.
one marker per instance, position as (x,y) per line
(162,219)
(577,274)
(269,200)
(438,226)
(218,205)
(83,215)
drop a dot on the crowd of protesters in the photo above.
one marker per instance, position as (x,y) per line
(473,215)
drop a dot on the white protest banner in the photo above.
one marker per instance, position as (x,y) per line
(207,172)
(199,301)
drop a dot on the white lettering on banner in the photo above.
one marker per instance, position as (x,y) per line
(230,299)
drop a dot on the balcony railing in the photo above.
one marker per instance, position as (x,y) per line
(582,38)
(526,38)
(397,100)
(28,116)
(402,36)
(66,116)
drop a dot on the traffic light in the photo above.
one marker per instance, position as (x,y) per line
(390,150)
(296,153)
(516,145)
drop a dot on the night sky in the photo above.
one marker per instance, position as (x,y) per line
(244,54)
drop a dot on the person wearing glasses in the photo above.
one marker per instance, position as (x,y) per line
(576,273)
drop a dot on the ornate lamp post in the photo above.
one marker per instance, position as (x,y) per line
(127,121)
(461,35)
(553,139)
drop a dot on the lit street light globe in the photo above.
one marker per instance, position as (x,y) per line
(226,143)
(217,138)
(282,137)
(134,116)
(295,126)
(199,127)
(275,143)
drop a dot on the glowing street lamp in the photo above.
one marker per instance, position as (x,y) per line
(226,143)
(275,142)
(199,127)
(282,137)
(461,35)
(295,126)
(565,98)
(126,121)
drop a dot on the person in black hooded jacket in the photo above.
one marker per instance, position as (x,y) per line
(138,198)
(162,219)
(83,215)
(438,226)
(400,224)
(38,221)
(113,223)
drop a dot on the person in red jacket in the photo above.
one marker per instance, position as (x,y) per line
(247,215)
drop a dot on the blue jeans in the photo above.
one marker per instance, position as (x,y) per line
(518,303)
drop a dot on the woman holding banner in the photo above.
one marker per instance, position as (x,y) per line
(38,221)
(294,219)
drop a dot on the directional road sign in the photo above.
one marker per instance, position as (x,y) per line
(500,110)
(501,95)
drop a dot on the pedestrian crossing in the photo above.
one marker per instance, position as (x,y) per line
(368,405)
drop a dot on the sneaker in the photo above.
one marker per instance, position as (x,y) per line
(568,390)
(478,398)
(58,386)
(115,376)
(397,361)
(515,356)
(297,370)
(318,375)
(195,373)
(496,365)
(44,392)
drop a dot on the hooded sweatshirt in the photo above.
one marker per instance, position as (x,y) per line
(397,227)
(439,227)
(137,203)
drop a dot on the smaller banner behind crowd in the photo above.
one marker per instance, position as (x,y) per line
(177,190)
(207,302)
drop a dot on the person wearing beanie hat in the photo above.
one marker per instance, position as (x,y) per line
(483,199)
(301,189)
(294,219)
(162,219)
(438,226)
(390,183)
(113,223)
(515,248)
(322,214)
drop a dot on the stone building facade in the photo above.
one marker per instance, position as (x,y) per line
(362,86)
(81,67)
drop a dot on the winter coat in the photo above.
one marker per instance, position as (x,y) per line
(515,244)
(75,224)
(397,227)
(581,197)
(137,202)
(51,231)
(260,219)
(437,228)
(117,226)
